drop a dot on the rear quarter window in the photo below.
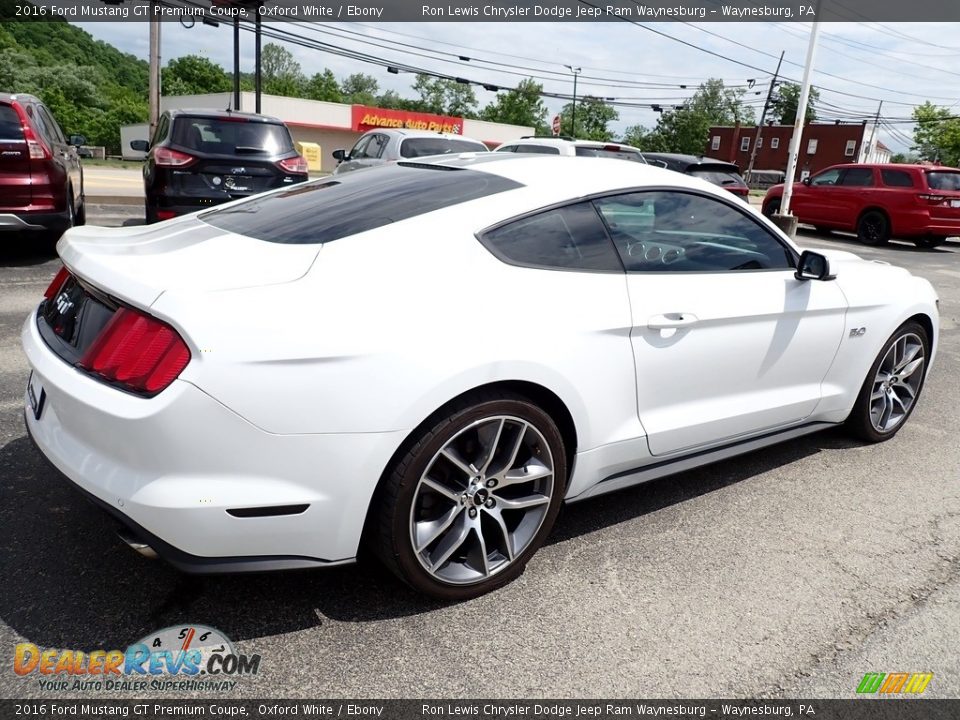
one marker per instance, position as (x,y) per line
(896,178)
(610,153)
(330,209)
(10,128)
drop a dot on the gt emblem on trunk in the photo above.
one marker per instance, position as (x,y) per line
(64,303)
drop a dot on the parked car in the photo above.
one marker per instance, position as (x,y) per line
(719,172)
(571,148)
(201,158)
(41,179)
(431,356)
(384,145)
(878,202)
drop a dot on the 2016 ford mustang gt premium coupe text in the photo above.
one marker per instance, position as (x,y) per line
(430,357)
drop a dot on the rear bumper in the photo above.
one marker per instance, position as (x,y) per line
(200,485)
(33,222)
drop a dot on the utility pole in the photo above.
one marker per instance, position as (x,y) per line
(236,62)
(763,116)
(801,118)
(573,119)
(257,75)
(873,134)
(153,82)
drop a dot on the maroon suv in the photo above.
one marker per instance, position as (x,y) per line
(878,201)
(41,181)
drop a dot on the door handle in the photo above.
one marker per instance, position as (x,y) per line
(669,321)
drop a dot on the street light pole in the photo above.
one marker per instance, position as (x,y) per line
(795,141)
(573,120)
(153,82)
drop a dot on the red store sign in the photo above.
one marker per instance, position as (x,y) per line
(367,118)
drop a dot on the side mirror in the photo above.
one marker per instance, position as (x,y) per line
(806,181)
(340,155)
(813,266)
(139,145)
(78,140)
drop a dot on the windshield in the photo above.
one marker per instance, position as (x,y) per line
(421,147)
(943,180)
(619,153)
(231,137)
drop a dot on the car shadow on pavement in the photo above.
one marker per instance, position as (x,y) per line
(69,582)
(20,252)
(949,247)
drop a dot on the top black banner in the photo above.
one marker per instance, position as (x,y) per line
(642,11)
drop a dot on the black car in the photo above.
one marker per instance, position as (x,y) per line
(201,158)
(719,172)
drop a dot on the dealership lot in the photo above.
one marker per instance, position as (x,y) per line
(790,571)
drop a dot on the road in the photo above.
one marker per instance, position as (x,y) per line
(789,572)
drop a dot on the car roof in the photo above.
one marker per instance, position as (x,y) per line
(893,166)
(411,133)
(13,97)
(682,158)
(222,114)
(567,142)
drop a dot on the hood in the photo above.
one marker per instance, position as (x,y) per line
(139,264)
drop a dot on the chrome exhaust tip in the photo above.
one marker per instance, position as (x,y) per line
(140,547)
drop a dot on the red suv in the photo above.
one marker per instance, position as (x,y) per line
(41,181)
(914,202)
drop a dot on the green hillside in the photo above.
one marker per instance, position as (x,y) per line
(91,87)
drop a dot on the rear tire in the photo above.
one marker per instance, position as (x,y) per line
(471,500)
(892,387)
(873,228)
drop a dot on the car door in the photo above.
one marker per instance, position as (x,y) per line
(727,342)
(855,190)
(815,201)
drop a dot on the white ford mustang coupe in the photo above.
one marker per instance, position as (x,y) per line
(432,356)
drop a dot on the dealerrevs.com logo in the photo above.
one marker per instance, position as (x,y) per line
(191,658)
(894,683)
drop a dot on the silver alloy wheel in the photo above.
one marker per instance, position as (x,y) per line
(897,382)
(482,499)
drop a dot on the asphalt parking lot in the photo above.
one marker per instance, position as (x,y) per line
(788,572)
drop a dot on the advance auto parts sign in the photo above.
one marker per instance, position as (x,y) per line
(367,118)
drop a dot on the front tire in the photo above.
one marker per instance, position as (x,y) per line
(892,387)
(771,208)
(472,499)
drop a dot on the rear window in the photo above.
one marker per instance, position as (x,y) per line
(619,153)
(538,149)
(421,147)
(941,180)
(727,178)
(231,137)
(330,209)
(10,128)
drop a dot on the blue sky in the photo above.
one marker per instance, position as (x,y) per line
(856,66)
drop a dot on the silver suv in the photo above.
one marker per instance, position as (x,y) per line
(569,147)
(380,146)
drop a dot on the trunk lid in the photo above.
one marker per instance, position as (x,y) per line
(137,265)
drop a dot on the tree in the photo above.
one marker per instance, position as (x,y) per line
(639,137)
(593,117)
(446,97)
(685,129)
(281,72)
(521,106)
(324,86)
(359,89)
(936,135)
(785,103)
(194,75)
(904,158)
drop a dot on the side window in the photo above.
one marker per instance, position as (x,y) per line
(681,232)
(39,123)
(376,146)
(506,148)
(827,177)
(896,178)
(567,238)
(539,149)
(358,151)
(161,132)
(52,125)
(857,177)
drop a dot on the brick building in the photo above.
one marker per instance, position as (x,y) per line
(822,145)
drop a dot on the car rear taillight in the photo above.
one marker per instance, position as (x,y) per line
(294,165)
(931,199)
(165,157)
(166,214)
(137,352)
(58,280)
(38,150)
